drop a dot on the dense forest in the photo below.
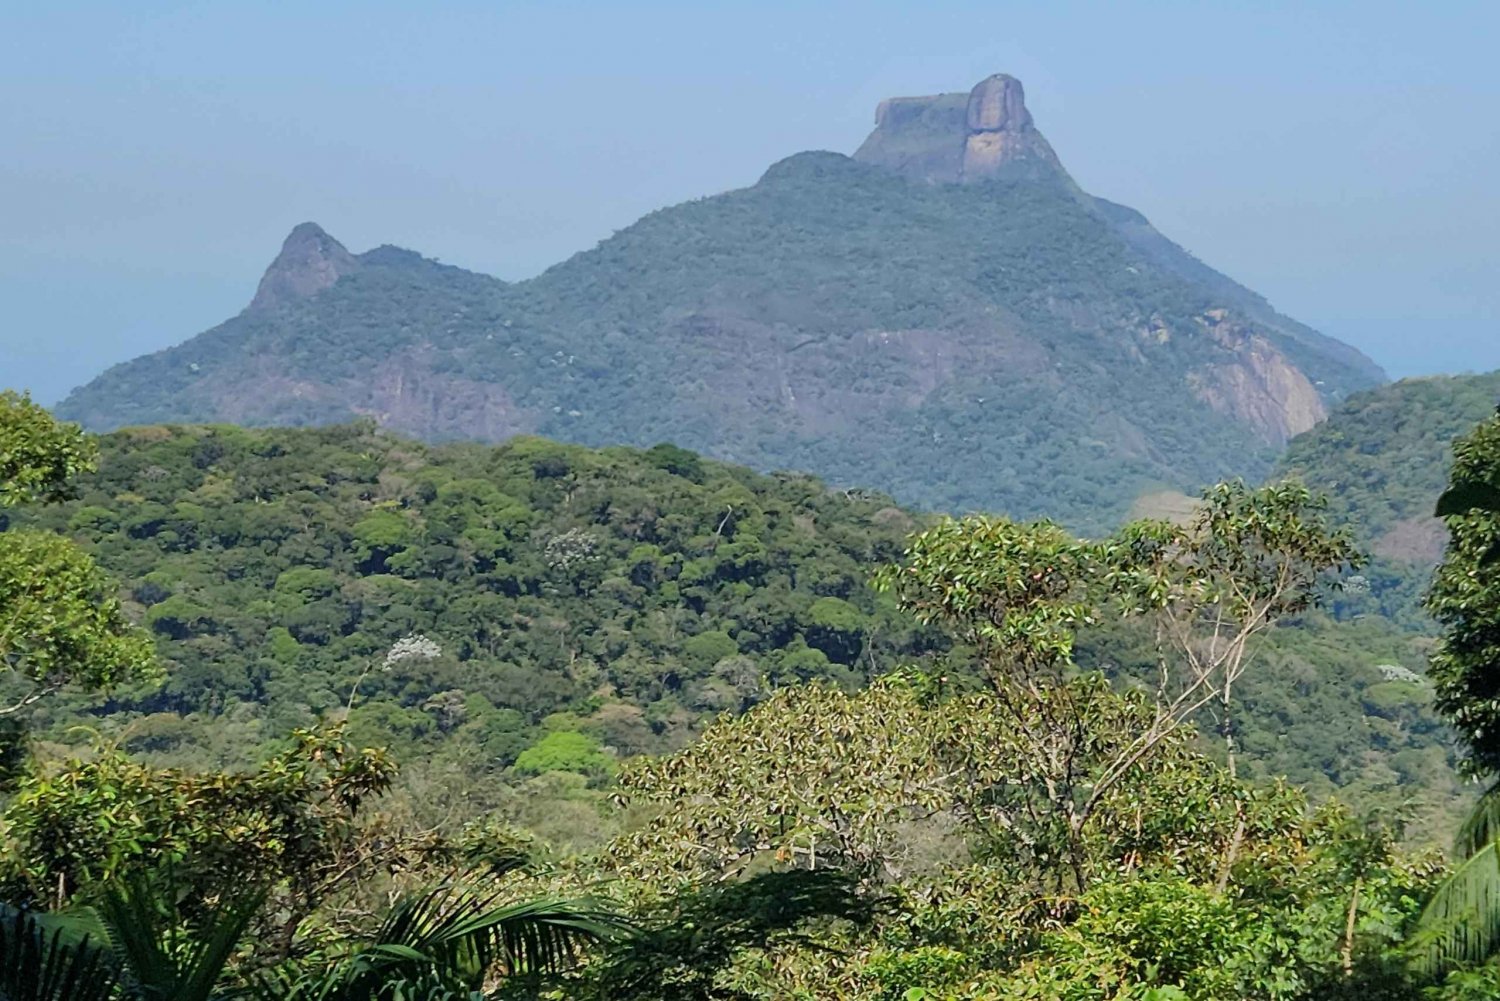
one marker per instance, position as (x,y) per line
(1384,457)
(495,609)
(333,714)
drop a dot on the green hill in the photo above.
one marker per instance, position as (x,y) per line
(996,339)
(1383,457)
(480,604)
(278,568)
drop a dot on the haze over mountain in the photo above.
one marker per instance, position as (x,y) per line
(945,315)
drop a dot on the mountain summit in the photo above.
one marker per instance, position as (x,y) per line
(958,138)
(945,316)
(310,261)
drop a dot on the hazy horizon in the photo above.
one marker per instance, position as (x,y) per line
(1335,160)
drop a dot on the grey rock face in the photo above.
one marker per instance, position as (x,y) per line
(953,138)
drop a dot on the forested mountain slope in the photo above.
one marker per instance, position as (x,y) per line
(1383,458)
(480,604)
(994,339)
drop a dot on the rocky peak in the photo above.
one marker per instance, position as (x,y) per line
(310,261)
(957,138)
(998,104)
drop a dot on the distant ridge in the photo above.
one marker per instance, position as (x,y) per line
(945,316)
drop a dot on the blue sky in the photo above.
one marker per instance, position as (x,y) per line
(1337,157)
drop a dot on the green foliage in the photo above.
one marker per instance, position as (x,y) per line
(288,824)
(555,578)
(707,649)
(445,942)
(136,943)
(158,952)
(1383,459)
(1018,594)
(811,773)
(1467,496)
(685,945)
(1006,823)
(1481,984)
(1384,456)
(278,569)
(39,457)
(61,622)
(42,959)
(1010,587)
(1197,885)
(564,751)
(1465,599)
(1462,921)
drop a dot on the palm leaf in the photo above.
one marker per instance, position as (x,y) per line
(1482,826)
(162,957)
(1461,923)
(441,944)
(464,933)
(687,946)
(48,960)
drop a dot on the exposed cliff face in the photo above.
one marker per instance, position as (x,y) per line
(310,261)
(957,138)
(1256,384)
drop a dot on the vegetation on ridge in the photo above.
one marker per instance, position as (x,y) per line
(998,346)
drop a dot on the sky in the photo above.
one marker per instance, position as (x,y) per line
(1338,158)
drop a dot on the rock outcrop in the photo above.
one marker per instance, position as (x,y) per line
(310,261)
(1258,385)
(957,138)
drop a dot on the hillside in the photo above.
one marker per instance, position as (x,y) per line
(476,600)
(1383,458)
(279,567)
(992,339)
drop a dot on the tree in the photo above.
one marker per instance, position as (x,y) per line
(45,960)
(39,457)
(1017,594)
(916,792)
(292,825)
(683,946)
(61,622)
(1463,918)
(812,776)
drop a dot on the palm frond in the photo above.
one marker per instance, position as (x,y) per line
(469,934)
(1461,923)
(442,943)
(1482,826)
(49,960)
(698,935)
(163,958)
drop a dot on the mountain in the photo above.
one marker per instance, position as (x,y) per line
(945,316)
